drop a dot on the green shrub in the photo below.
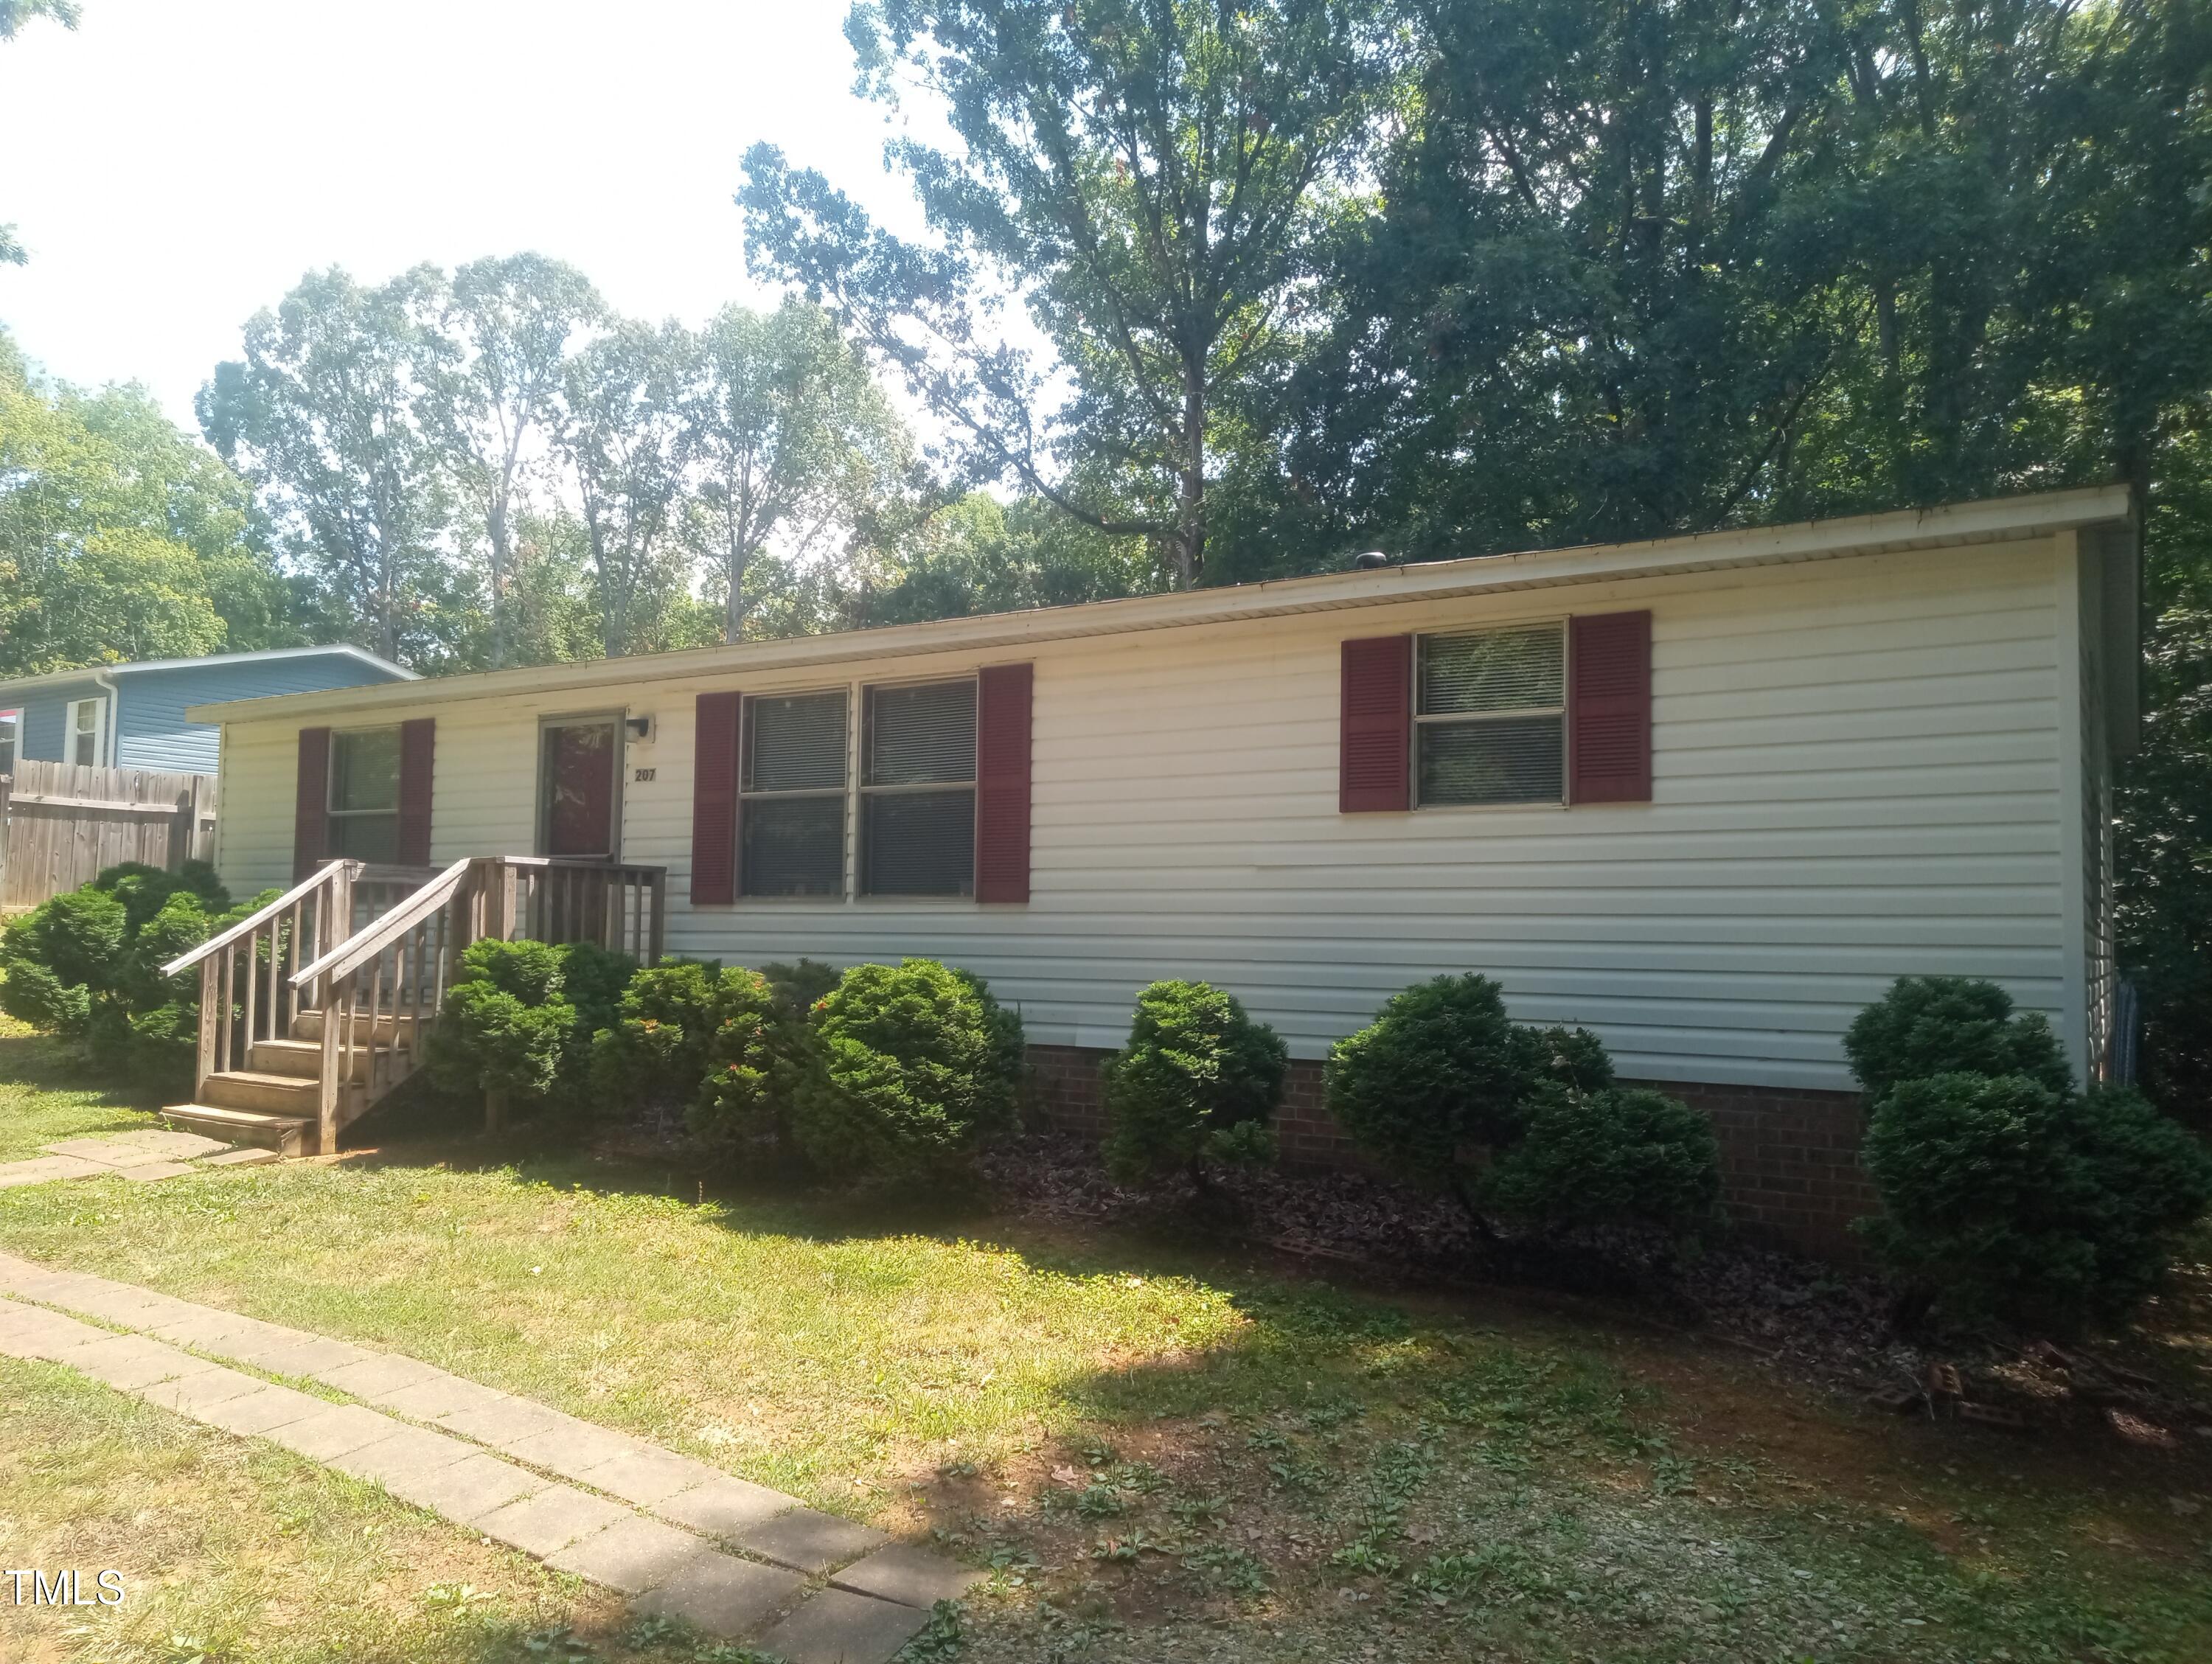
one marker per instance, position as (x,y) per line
(86,966)
(504,1024)
(1197,1081)
(1593,1156)
(656,1048)
(1439,1070)
(917,1066)
(747,1077)
(803,986)
(2004,1198)
(1926,1026)
(1572,1058)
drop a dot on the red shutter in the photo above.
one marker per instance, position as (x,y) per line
(1609,708)
(715,801)
(1374,768)
(1002,783)
(418,748)
(310,812)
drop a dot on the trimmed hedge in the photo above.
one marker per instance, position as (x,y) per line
(1596,1157)
(1197,1081)
(916,1064)
(2005,1191)
(1440,1069)
(86,967)
(1445,1091)
(1926,1026)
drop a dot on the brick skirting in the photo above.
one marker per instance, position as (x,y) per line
(1789,1170)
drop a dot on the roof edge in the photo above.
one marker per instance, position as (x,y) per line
(12,685)
(1990,520)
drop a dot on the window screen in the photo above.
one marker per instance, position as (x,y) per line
(1490,716)
(791,816)
(918,790)
(364,805)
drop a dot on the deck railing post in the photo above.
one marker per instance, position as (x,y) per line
(205,1065)
(335,1045)
(659,915)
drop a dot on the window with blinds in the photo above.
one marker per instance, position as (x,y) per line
(791,811)
(918,790)
(1490,716)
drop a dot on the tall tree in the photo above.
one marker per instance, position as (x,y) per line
(513,320)
(331,414)
(1153,178)
(13,13)
(790,442)
(622,436)
(120,537)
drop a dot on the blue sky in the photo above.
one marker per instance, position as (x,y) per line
(174,164)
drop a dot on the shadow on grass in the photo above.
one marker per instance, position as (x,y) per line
(47,1095)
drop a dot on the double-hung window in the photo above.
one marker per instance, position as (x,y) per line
(791,810)
(364,800)
(1490,716)
(918,790)
(87,736)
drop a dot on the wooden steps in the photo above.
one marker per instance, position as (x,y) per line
(300,1058)
(308,1025)
(287,1135)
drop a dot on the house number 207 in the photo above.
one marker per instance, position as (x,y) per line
(643,775)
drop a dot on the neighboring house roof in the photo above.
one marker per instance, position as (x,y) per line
(1998,519)
(11,689)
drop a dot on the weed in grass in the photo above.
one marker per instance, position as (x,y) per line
(1127,1548)
(1099,1502)
(940,1639)
(1218,1567)
(1198,1512)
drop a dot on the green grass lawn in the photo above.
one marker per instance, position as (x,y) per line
(1162,1453)
(234,1549)
(42,1104)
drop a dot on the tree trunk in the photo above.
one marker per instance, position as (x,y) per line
(499,629)
(733,609)
(1189,546)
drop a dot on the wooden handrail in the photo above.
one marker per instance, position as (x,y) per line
(253,922)
(372,938)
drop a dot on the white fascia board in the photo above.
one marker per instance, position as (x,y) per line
(1934,528)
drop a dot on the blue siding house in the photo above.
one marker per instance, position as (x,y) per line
(132,716)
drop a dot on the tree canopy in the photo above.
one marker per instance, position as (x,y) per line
(120,536)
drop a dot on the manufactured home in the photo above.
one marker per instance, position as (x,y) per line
(1703,796)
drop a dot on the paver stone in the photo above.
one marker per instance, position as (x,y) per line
(548,1521)
(834,1627)
(724,1506)
(723,1595)
(632,1555)
(468,1489)
(808,1540)
(912,1576)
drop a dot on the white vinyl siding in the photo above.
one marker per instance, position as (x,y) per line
(1856,775)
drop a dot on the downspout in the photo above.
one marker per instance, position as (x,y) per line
(114,701)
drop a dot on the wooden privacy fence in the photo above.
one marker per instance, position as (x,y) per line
(61,823)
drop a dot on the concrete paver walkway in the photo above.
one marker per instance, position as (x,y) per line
(734,1559)
(152,1153)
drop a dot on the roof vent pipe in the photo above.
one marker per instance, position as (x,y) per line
(1373,561)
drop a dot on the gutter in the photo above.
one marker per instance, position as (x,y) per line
(113,707)
(1999,519)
